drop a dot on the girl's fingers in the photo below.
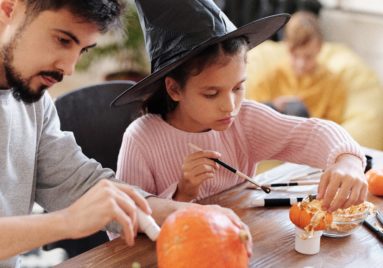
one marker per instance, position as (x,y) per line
(331,191)
(341,197)
(202,161)
(323,184)
(362,194)
(202,169)
(353,197)
(203,154)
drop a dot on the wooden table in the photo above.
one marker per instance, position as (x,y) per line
(273,237)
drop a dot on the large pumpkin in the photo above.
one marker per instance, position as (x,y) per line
(200,236)
(308,215)
(375,181)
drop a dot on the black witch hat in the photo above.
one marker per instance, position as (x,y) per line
(177,30)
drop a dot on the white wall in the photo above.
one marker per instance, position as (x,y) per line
(360,31)
(358,27)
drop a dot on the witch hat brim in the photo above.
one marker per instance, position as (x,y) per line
(256,32)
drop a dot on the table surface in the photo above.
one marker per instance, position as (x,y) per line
(272,233)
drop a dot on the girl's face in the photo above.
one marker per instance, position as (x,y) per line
(211,99)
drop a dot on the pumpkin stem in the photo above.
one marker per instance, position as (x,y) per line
(243,236)
(136,265)
(311,197)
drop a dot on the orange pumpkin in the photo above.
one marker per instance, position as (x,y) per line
(200,236)
(375,181)
(308,215)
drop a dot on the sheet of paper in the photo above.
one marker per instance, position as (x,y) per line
(284,173)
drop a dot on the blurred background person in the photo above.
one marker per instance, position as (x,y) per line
(300,85)
(357,107)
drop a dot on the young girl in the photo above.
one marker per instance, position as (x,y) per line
(200,100)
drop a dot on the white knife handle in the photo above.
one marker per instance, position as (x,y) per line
(147,225)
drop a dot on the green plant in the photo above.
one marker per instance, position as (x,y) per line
(126,46)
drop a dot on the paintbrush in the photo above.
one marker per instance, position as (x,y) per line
(307,175)
(235,171)
(296,183)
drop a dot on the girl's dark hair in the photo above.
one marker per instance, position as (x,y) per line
(161,103)
(104,13)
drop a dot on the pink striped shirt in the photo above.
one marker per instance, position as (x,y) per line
(153,151)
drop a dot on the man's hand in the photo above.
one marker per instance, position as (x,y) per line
(104,202)
(343,184)
(197,168)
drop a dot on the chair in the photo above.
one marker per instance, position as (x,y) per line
(98,129)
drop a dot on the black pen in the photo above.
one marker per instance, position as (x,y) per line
(275,202)
(239,173)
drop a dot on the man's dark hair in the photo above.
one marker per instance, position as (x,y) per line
(104,13)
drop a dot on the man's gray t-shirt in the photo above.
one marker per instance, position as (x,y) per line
(39,162)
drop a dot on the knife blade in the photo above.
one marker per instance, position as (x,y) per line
(379,216)
(371,223)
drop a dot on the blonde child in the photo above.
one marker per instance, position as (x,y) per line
(300,80)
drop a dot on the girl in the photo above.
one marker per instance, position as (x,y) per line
(199,99)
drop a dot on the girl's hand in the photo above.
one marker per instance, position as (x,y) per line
(197,168)
(343,184)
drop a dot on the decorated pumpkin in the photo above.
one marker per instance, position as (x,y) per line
(309,216)
(375,181)
(200,236)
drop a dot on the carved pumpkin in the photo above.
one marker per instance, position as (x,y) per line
(200,236)
(375,181)
(308,215)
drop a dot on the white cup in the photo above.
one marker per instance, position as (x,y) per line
(307,245)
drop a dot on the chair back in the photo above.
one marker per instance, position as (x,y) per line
(97,127)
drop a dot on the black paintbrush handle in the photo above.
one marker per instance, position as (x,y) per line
(224,165)
(284,184)
(264,188)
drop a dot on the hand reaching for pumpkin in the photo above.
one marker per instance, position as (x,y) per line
(197,168)
(343,184)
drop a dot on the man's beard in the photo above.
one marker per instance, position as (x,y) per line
(20,87)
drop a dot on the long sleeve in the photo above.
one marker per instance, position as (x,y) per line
(314,142)
(63,172)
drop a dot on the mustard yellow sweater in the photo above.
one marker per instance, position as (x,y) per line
(322,92)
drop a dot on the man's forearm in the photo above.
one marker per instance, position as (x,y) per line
(22,233)
(164,207)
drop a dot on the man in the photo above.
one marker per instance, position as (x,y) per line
(41,41)
(301,85)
